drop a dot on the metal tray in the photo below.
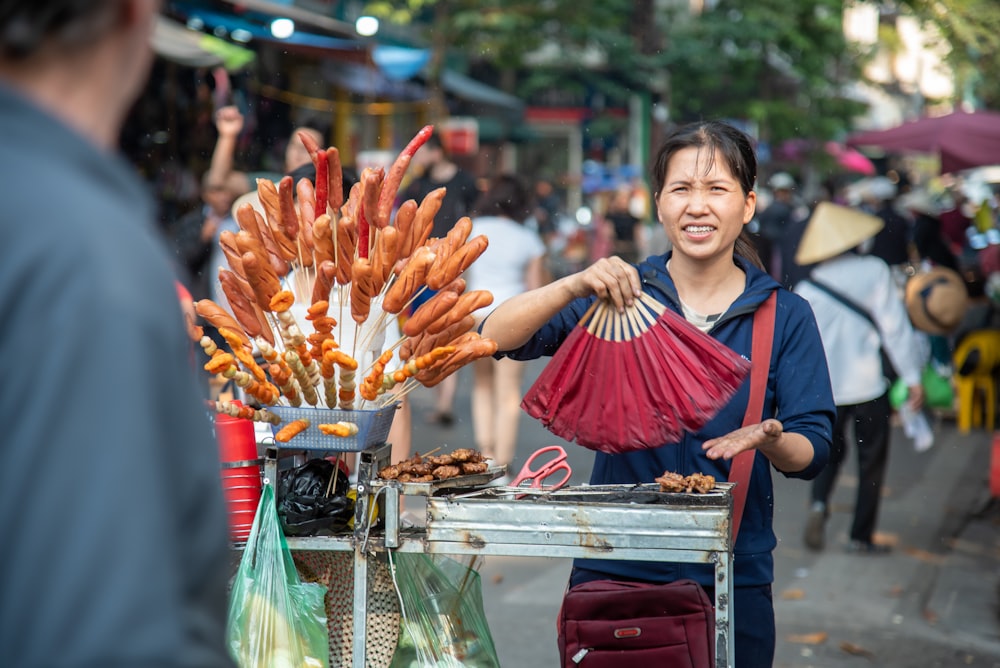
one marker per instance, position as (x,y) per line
(456,484)
(640,494)
(373,427)
(601,520)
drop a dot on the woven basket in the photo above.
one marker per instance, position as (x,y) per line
(335,571)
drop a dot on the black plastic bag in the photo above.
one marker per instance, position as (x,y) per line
(311,499)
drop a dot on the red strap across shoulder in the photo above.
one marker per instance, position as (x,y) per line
(760,361)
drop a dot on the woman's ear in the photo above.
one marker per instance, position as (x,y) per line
(749,207)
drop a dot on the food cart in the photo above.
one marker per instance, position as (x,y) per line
(465,516)
(316,272)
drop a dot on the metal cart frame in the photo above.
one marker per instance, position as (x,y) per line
(694,530)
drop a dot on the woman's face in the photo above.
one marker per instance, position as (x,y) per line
(701,205)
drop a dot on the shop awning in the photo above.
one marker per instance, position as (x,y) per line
(256,26)
(480,95)
(370,81)
(478,98)
(400,62)
(178,44)
(302,15)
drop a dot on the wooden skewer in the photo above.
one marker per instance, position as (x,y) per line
(354,343)
(379,325)
(340,304)
(465,581)
(416,294)
(408,386)
(332,484)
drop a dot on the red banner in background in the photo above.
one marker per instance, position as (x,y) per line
(460,135)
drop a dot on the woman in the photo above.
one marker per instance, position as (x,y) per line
(513,262)
(703,178)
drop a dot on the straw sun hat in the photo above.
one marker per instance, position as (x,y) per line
(833,229)
(936,300)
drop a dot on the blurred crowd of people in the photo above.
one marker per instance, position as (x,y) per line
(909,231)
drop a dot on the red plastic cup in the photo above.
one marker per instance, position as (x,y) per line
(237,441)
(241,483)
(240,524)
(241,488)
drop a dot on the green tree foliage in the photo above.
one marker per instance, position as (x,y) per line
(506,34)
(781,63)
(972,30)
(503,32)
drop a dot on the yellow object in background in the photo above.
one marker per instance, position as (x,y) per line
(352,494)
(983,220)
(975,383)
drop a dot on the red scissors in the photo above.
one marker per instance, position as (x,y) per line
(537,477)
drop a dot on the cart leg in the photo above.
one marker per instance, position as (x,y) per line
(391,516)
(271,467)
(360,608)
(724,641)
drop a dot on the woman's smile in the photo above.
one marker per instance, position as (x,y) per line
(699,230)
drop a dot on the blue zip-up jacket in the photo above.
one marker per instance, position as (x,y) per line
(798,394)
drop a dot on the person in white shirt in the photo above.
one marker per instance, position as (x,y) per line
(861,315)
(513,263)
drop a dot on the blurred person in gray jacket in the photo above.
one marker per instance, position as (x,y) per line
(114,548)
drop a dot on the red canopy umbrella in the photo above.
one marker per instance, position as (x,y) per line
(851,159)
(962,140)
(622,382)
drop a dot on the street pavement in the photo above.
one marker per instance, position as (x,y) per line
(932,602)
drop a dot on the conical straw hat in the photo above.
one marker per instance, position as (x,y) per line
(833,229)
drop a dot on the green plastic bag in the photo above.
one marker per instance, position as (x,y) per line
(275,620)
(443,624)
(938,392)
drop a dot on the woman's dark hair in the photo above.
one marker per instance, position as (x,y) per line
(507,196)
(723,141)
(26,26)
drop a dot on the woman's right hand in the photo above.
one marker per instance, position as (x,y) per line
(609,278)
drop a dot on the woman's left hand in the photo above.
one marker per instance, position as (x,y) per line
(760,436)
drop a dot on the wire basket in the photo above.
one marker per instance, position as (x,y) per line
(373,427)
